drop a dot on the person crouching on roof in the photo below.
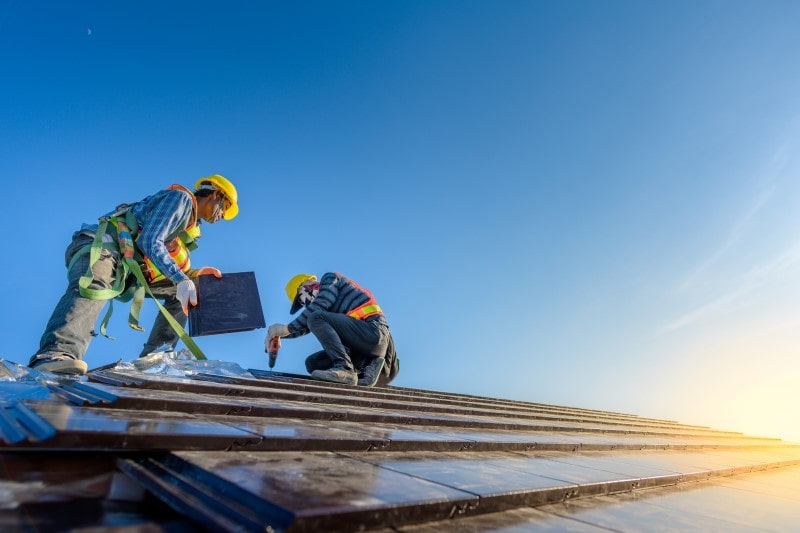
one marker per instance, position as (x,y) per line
(153,236)
(357,347)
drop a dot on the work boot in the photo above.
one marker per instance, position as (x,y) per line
(369,374)
(336,375)
(61,365)
(318,361)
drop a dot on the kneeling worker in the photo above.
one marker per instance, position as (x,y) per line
(357,347)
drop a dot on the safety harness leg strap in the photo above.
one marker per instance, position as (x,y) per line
(187,340)
(121,273)
(87,279)
(127,264)
(136,307)
(127,251)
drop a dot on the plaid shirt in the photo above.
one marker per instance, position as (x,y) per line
(161,217)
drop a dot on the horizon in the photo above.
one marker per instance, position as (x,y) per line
(587,205)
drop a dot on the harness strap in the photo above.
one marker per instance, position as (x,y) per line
(126,265)
(128,251)
(187,340)
(94,255)
(120,274)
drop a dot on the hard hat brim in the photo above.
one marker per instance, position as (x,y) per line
(296,304)
(231,212)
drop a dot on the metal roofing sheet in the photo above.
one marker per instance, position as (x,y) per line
(281,451)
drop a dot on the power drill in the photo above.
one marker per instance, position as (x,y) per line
(274,346)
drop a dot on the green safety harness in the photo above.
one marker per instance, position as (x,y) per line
(123,221)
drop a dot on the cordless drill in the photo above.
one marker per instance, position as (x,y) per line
(274,346)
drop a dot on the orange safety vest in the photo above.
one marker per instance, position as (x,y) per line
(178,247)
(367,309)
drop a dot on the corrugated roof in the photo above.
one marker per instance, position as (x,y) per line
(284,453)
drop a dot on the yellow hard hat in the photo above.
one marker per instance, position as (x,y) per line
(293,286)
(222,184)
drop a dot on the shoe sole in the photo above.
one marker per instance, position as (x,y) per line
(71,368)
(332,379)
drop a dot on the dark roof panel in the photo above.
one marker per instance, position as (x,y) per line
(266,450)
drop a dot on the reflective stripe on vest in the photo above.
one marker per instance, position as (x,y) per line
(178,252)
(179,247)
(365,311)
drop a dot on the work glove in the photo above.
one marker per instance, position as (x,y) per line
(275,330)
(186,294)
(209,270)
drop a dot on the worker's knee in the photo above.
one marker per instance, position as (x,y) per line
(316,320)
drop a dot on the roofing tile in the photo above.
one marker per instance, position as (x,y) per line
(260,449)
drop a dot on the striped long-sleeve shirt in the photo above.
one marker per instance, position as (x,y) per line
(337,294)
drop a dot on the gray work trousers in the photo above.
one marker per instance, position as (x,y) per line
(345,340)
(71,326)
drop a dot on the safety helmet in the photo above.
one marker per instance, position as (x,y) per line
(226,187)
(294,285)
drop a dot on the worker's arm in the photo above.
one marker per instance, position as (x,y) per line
(165,216)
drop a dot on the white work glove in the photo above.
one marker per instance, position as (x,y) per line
(275,330)
(187,294)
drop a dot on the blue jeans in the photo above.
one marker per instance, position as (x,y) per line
(344,339)
(71,326)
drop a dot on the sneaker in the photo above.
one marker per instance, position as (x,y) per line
(336,375)
(66,365)
(368,377)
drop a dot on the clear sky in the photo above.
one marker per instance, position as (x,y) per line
(592,204)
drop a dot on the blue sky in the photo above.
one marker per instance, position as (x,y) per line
(584,203)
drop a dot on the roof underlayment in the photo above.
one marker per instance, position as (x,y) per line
(267,451)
